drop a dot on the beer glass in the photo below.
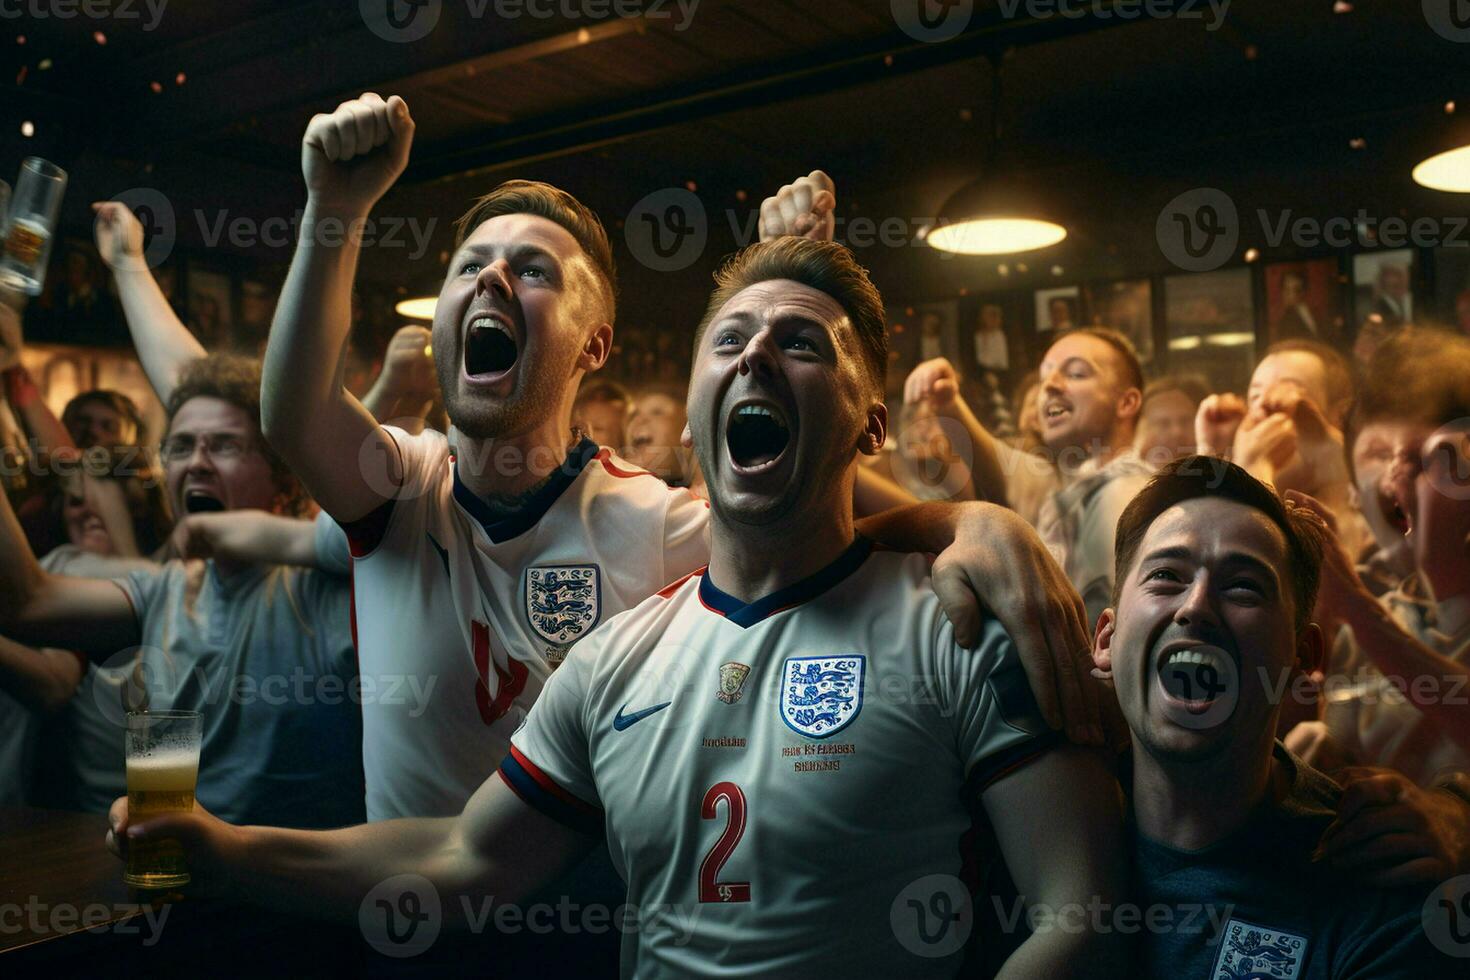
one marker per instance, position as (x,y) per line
(30,225)
(163,767)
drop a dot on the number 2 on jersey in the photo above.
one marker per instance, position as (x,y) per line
(711,890)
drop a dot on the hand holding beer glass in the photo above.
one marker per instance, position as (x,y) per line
(30,225)
(163,768)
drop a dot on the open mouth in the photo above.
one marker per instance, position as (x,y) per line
(1196,677)
(1394,513)
(1054,411)
(200,502)
(757,436)
(489,348)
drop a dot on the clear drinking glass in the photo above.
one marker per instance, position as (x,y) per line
(163,768)
(31,225)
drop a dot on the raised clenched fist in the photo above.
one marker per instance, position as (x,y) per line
(119,236)
(352,155)
(933,381)
(805,208)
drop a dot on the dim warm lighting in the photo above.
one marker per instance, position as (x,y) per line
(1057,270)
(99,37)
(1251,254)
(1231,339)
(45,64)
(1185,343)
(1449,107)
(421,308)
(1447,171)
(180,78)
(156,87)
(28,129)
(583,36)
(1357,143)
(996,235)
(20,39)
(1342,7)
(691,186)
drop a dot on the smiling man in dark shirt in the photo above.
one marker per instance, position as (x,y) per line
(1215,583)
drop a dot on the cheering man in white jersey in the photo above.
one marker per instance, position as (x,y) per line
(780,748)
(482,559)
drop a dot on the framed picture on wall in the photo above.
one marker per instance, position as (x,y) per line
(922,332)
(1452,288)
(1126,306)
(1383,286)
(1304,302)
(1058,310)
(996,341)
(210,307)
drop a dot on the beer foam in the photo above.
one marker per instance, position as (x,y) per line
(164,769)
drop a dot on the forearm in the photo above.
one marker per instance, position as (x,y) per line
(327,874)
(39,422)
(928,527)
(42,680)
(988,462)
(269,539)
(1397,655)
(21,576)
(164,345)
(309,331)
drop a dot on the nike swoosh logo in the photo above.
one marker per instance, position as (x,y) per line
(622,722)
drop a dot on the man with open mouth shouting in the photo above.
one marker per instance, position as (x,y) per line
(482,560)
(1211,618)
(779,748)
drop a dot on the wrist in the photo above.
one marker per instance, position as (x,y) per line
(19,388)
(319,209)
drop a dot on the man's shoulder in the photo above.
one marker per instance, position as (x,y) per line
(638,627)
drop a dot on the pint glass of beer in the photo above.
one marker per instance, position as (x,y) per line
(30,225)
(163,766)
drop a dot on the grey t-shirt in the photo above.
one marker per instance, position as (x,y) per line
(266,654)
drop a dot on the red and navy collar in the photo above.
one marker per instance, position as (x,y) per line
(746,615)
(502,528)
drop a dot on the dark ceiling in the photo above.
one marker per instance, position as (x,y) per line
(1113,116)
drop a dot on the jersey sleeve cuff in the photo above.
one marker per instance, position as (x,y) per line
(540,791)
(367,532)
(998,765)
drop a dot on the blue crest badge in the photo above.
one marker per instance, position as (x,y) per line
(820,696)
(563,602)
(1249,950)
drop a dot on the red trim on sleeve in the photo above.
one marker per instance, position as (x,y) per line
(368,531)
(604,456)
(546,783)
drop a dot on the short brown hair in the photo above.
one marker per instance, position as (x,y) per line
(1132,370)
(1191,386)
(115,400)
(1192,477)
(1335,369)
(236,379)
(824,266)
(556,205)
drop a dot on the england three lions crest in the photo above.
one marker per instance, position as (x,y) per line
(820,696)
(563,602)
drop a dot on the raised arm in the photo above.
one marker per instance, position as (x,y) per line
(347,461)
(1059,822)
(248,536)
(41,609)
(163,343)
(327,874)
(935,382)
(16,385)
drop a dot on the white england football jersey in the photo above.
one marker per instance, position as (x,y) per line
(783,784)
(460,618)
